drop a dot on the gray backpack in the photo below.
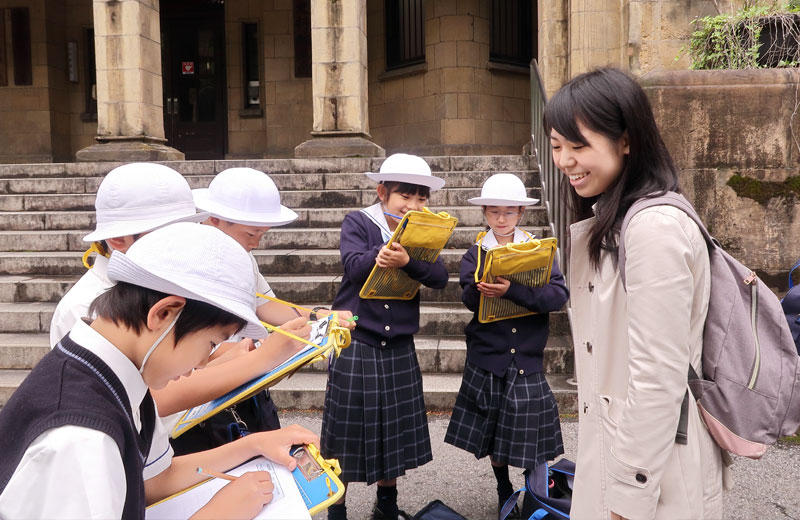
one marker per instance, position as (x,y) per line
(749,392)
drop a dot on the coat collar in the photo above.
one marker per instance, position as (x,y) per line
(375,214)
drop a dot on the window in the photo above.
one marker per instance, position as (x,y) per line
(21,45)
(3,72)
(89,76)
(405,34)
(252,83)
(302,38)
(512,42)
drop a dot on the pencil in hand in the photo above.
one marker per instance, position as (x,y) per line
(216,474)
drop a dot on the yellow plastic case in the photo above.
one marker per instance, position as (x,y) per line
(423,234)
(528,263)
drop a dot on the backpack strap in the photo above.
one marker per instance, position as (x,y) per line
(677,200)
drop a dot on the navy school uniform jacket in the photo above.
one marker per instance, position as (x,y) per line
(490,345)
(381,323)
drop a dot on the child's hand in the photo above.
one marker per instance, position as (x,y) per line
(297,326)
(229,350)
(345,317)
(241,498)
(392,256)
(275,444)
(494,290)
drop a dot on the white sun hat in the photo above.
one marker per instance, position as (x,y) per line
(401,167)
(503,189)
(196,262)
(140,197)
(244,196)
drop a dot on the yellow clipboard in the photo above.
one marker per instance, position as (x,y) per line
(327,338)
(317,481)
(423,234)
(527,263)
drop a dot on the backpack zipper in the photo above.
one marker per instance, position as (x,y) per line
(751,281)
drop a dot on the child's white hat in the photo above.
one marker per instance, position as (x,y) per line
(244,196)
(140,197)
(401,167)
(196,262)
(503,189)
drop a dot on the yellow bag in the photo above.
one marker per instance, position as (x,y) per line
(528,263)
(423,234)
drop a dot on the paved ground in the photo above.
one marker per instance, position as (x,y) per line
(764,490)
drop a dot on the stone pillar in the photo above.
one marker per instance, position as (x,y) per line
(595,35)
(130,117)
(553,38)
(339,82)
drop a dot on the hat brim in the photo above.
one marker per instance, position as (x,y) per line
(490,201)
(202,199)
(135,227)
(434,183)
(122,269)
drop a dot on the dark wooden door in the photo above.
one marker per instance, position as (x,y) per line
(193,63)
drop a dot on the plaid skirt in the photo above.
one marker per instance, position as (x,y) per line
(374,419)
(513,419)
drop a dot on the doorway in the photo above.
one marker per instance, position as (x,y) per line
(194,74)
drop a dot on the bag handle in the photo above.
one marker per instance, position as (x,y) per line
(795,266)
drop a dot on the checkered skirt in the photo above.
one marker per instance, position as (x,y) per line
(512,418)
(374,420)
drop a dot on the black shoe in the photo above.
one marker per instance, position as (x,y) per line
(377,514)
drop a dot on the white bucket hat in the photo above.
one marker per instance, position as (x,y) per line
(196,262)
(244,196)
(401,167)
(503,189)
(139,197)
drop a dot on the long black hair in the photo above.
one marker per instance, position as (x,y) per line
(611,103)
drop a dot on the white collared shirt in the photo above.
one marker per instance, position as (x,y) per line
(77,472)
(490,240)
(75,304)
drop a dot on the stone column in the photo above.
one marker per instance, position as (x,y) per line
(130,117)
(339,82)
(595,31)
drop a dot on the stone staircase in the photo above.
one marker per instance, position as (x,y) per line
(45,209)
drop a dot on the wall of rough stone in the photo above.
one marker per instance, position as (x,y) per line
(735,136)
(457,104)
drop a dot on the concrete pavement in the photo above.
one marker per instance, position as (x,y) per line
(764,490)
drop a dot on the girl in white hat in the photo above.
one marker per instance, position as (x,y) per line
(505,408)
(75,434)
(132,200)
(374,420)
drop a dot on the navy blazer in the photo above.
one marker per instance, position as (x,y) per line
(381,323)
(492,346)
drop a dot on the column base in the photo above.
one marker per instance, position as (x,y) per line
(333,144)
(129,149)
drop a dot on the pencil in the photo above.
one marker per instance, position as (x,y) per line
(212,473)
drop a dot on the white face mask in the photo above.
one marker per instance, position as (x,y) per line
(159,340)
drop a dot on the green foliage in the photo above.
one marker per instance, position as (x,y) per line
(763,191)
(733,41)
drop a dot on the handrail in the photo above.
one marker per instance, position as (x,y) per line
(549,175)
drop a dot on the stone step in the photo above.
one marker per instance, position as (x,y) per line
(490,163)
(278,238)
(284,261)
(284,181)
(307,391)
(446,354)
(319,198)
(313,218)
(296,288)
(439,319)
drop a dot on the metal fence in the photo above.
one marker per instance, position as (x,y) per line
(550,176)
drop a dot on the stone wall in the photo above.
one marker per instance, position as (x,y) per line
(82,125)
(285,100)
(456,104)
(735,136)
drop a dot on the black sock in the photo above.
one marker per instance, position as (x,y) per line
(504,487)
(337,512)
(387,500)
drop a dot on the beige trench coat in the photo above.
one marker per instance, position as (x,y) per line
(632,352)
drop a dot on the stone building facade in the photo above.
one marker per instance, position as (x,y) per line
(213,79)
